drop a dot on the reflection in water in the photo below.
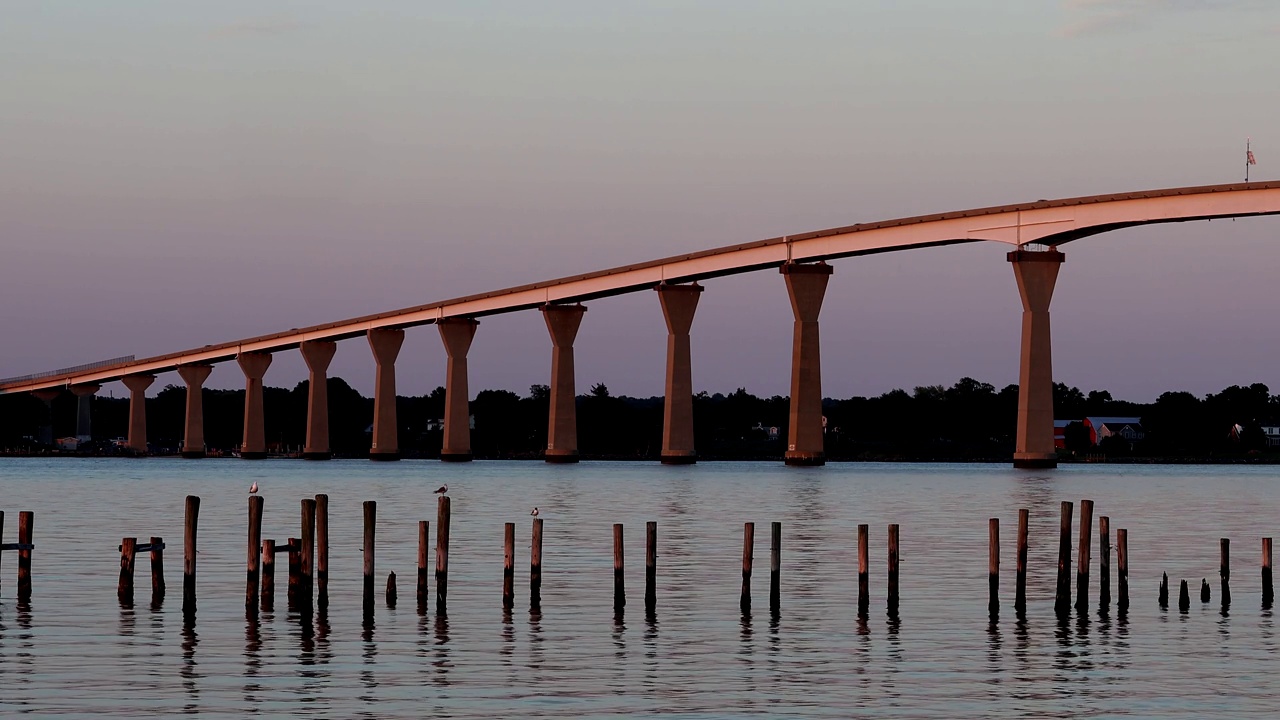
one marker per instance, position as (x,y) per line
(128,621)
(369,653)
(188,673)
(507,648)
(536,640)
(252,655)
(442,663)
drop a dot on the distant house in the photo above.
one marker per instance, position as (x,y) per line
(1101,428)
(1273,434)
(1060,433)
(68,443)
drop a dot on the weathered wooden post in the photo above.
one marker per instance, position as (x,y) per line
(1,539)
(124,590)
(1163,597)
(993,566)
(864,569)
(1122,572)
(391,590)
(650,566)
(509,566)
(424,534)
(268,575)
(370,534)
(619,587)
(1082,562)
(775,567)
(189,555)
(322,550)
(306,555)
(893,570)
(253,550)
(1020,581)
(748,555)
(1224,571)
(157,570)
(535,567)
(1184,597)
(1104,563)
(295,572)
(26,531)
(443,513)
(1268,591)
(1062,600)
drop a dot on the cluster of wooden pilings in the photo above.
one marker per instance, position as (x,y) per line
(24,546)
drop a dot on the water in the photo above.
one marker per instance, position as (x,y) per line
(76,652)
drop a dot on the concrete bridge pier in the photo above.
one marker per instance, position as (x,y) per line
(457,334)
(679,302)
(138,385)
(385,343)
(193,430)
(254,365)
(46,429)
(1036,272)
(562,425)
(806,285)
(317,354)
(84,413)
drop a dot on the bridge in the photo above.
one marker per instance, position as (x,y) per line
(1034,230)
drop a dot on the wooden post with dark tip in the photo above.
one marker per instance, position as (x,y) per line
(864,570)
(190,526)
(306,555)
(748,556)
(322,550)
(535,567)
(619,586)
(1082,560)
(1020,581)
(268,575)
(1224,570)
(1122,569)
(295,573)
(1104,563)
(391,590)
(1062,599)
(443,512)
(1268,591)
(650,566)
(1163,597)
(253,551)
(370,534)
(509,566)
(775,567)
(26,530)
(1184,597)
(124,591)
(993,566)
(893,569)
(424,535)
(157,569)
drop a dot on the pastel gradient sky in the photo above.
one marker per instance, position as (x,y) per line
(176,174)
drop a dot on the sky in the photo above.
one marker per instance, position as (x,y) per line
(179,174)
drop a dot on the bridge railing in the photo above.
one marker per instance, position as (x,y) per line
(99,365)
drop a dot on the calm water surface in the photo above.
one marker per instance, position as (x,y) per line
(75,652)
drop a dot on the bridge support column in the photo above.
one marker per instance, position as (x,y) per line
(806,285)
(138,385)
(1036,272)
(317,354)
(84,413)
(254,365)
(46,429)
(457,333)
(193,430)
(678,305)
(562,425)
(385,343)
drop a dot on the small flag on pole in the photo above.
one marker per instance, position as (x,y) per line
(1249,159)
(1252,160)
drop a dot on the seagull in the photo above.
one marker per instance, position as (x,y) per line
(442,489)
(253,489)
(534,512)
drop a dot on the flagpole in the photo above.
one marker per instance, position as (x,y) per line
(1248,148)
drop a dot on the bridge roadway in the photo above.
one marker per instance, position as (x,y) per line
(802,260)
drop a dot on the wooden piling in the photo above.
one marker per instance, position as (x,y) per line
(268,575)
(535,567)
(509,566)
(424,535)
(253,550)
(1184,597)
(1268,592)
(1122,571)
(748,556)
(619,585)
(1062,599)
(1020,581)
(124,590)
(650,566)
(322,550)
(26,530)
(1224,570)
(157,569)
(295,573)
(443,513)
(1163,598)
(306,554)
(893,570)
(1082,559)
(864,569)
(1,541)
(190,525)
(1104,563)
(775,567)
(993,566)
(370,534)
(391,590)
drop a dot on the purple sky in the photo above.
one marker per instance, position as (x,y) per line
(173,176)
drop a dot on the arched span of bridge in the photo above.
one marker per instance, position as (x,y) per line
(802,259)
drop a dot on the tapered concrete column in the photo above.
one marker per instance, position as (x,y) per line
(1036,272)
(457,334)
(138,385)
(254,366)
(317,353)
(806,285)
(386,347)
(84,404)
(678,305)
(46,429)
(562,425)
(193,431)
